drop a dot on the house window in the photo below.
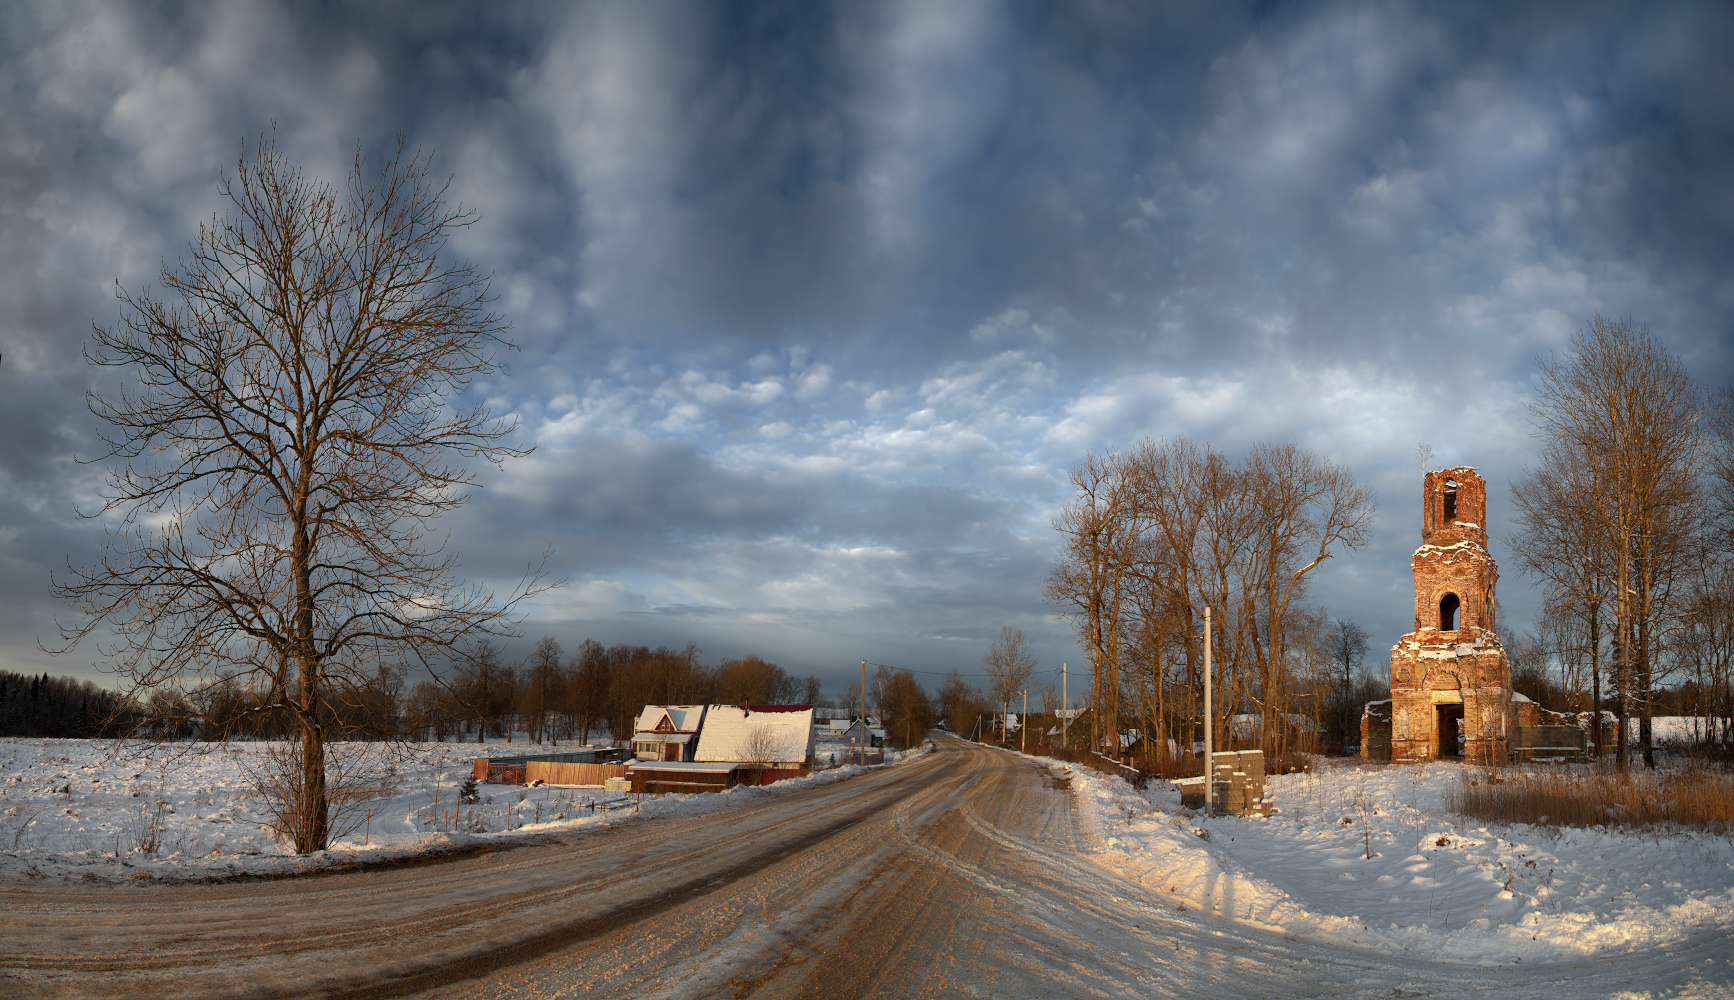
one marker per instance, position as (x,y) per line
(1450,613)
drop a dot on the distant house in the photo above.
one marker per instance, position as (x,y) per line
(667,732)
(1248,730)
(851,737)
(770,736)
(1068,720)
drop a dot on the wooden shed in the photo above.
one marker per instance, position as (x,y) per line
(514,770)
(682,776)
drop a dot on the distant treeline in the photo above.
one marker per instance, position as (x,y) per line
(592,696)
(58,706)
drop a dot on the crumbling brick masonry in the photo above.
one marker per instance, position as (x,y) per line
(1450,681)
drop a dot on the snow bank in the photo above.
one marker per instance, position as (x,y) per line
(96,810)
(1436,885)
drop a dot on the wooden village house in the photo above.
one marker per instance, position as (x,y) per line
(667,732)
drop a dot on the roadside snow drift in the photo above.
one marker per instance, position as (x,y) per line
(1435,885)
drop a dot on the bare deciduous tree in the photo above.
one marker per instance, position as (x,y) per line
(1008,663)
(293,426)
(1156,534)
(763,747)
(1348,643)
(542,687)
(1627,416)
(1562,541)
(908,713)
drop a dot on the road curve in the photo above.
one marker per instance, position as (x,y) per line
(964,873)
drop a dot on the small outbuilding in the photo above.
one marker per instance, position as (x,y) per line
(682,776)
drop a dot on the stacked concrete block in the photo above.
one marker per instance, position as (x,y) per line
(1230,788)
(1249,773)
(1239,785)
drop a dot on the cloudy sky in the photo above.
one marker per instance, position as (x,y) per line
(816,304)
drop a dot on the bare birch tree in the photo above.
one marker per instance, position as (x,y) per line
(1631,412)
(1562,541)
(292,427)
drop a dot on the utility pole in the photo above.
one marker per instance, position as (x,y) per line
(863,757)
(1065,707)
(1209,758)
(1024,723)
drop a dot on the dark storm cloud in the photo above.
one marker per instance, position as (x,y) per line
(817,302)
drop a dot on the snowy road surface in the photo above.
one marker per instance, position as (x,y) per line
(966,873)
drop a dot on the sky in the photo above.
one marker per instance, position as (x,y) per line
(815,304)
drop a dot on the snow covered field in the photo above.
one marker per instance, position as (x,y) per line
(99,811)
(1436,885)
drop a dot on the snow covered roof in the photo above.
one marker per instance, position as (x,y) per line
(771,734)
(1516,696)
(681,718)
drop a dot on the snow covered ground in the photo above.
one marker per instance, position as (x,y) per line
(1436,885)
(100,811)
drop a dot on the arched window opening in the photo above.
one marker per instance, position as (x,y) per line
(1450,500)
(1450,610)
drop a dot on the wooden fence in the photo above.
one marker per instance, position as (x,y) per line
(767,775)
(572,774)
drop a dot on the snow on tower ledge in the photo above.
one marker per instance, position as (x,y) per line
(1450,680)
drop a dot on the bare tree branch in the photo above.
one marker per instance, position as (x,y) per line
(293,425)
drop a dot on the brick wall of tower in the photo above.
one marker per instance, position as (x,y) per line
(1456,679)
(1453,556)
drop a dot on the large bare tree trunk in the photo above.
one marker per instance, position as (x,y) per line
(298,410)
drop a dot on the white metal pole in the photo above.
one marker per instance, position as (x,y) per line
(1065,707)
(1024,724)
(1209,747)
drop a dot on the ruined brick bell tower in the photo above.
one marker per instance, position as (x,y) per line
(1450,680)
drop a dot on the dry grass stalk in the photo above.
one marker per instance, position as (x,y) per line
(1603,797)
(355,775)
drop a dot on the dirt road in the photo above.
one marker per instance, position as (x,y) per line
(964,873)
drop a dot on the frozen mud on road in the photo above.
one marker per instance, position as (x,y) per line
(965,872)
